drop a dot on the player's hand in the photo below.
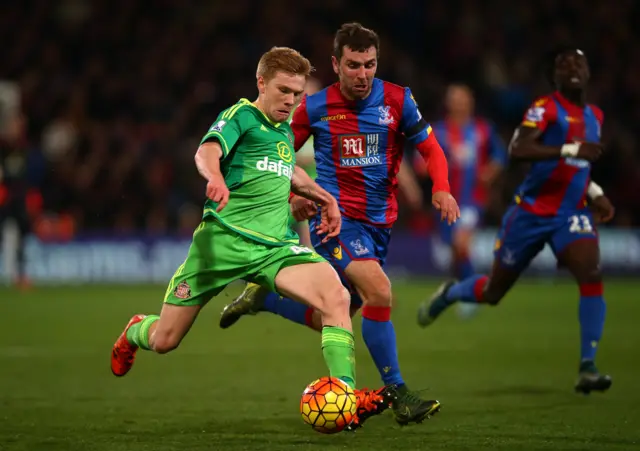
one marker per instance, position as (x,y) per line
(602,208)
(217,191)
(590,151)
(330,221)
(447,205)
(302,208)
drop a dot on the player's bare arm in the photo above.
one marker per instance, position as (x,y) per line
(304,186)
(525,146)
(602,207)
(208,163)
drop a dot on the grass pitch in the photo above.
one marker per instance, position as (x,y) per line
(505,378)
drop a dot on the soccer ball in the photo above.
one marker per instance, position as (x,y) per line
(328,405)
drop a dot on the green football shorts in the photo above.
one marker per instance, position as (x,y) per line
(218,256)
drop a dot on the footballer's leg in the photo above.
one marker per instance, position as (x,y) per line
(478,289)
(190,288)
(251,302)
(519,240)
(317,285)
(306,277)
(358,256)
(331,251)
(576,246)
(255,299)
(374,288)
(158,333)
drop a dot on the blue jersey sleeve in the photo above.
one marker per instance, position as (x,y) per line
(412,124)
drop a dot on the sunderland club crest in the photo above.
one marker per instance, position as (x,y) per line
(182,290)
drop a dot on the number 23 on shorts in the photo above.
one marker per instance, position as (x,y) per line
(580,224)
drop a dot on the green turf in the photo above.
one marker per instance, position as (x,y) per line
(505,379)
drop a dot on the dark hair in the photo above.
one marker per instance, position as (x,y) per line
(356,37)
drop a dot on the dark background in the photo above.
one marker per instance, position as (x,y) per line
(118,93)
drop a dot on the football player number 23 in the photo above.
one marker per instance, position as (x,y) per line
(580,224)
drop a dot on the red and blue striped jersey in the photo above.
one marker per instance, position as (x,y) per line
(358,146)
(553,187)
(469,148)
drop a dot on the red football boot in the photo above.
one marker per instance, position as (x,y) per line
(370,403)
(123,352)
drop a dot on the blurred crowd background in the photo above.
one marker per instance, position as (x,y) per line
(115,95)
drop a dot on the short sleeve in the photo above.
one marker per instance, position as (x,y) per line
(412,124)
(227,129)
(540,114)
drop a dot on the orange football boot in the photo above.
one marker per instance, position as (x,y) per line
(123,352)
(370,403)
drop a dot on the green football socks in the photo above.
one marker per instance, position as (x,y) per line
(338,349)
(138,334)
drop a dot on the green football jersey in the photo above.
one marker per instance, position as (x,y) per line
(257,165)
